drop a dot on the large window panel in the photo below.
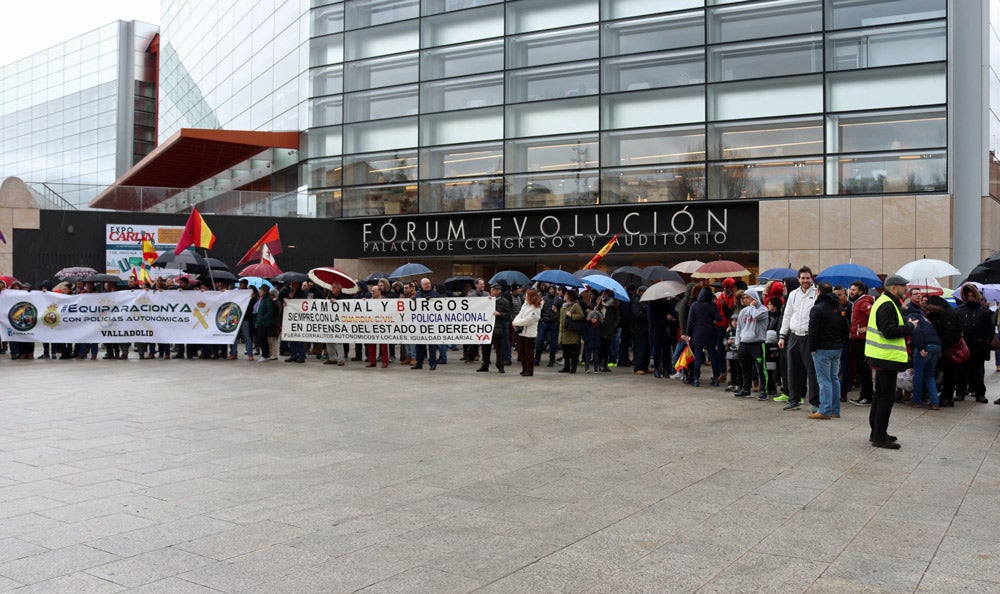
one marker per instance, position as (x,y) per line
(548,154)
(462,126)
(764,59)
(636,73)
(650,147)
(381,104)
(326,50)
(768,98)
(766,179)
(382,72)
(757,20)
(439,6)
(924,84)
(552,117)
(535,15)
(552,82)
(324,141)
(891,173)
(666,183)
(380,200)
(461,60)
(470,160)
(323,173)
(658,107)
(621,9)
(380,135)
(552,47)
(654,33)
(888,131)
(327,20)
(462,195)
(768,138)
(887,46)
(541,190)
(462,27)
(844,14)
(395,38)
(368,13)
(461,93)
(327,111)
(379,168)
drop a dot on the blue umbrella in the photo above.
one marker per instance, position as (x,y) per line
(557,277)
(845,274)
(410,269)
(374,277)
(777,274)
(606,283)
(512,277)
(256,281)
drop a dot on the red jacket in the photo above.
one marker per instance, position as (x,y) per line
(727,305)
(859,317)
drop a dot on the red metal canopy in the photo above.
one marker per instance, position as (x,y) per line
(189,157)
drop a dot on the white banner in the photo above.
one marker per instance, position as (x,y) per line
(178,317)
(457,320)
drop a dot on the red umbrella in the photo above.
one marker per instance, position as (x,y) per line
(326,276)
(719,269)
(261,269)
(8,280)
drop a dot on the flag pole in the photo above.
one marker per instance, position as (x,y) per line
(210,276)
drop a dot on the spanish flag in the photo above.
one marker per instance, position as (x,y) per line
(604,251)
(685,359)
(196,233)
(148,251)
(271,240)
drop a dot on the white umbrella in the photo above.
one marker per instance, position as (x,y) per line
(663,290)
(926,271)
(687,266)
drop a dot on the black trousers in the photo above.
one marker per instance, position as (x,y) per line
(751,358)
(801,373)
(571,356)
(975,373)
(882,401)
(862,369)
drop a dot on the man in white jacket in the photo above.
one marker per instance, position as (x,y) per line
(795,336)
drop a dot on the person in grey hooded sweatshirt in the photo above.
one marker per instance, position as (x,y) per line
(751,330)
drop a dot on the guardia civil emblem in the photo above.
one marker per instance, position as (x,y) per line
(51,316)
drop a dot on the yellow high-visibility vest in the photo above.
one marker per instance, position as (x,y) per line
(878,346)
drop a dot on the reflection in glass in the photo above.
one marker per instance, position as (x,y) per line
(844,14)
(540,190)
(461,93)
(666,183)
(394,38)
(552,82)
(758,20)
(549,48)
(769,138)
(887,46)
(534,15)
(437,6)
(547,154)
(468,25)
(323,173)
(325,141)
(470,160)
(462,195)
(877,174)
(380,168)
(461,60)
(328,19)
(765,59)
(654,34)
(327,111)
(889,131)
(649,147)
(381,104)
(380,200)
(766,179)
(367,13)
(326,50)
(382,72)
(329,202)
(635,73)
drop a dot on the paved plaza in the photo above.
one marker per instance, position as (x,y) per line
(233,476)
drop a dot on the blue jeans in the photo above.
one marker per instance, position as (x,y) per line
(827,365)
(923,374)
(548,335)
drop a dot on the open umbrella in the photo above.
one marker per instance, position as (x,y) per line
(102,278)
(557,277)
(983,274)
(845,274)
(687,266)
(75,272)
(663,290)
(652,274)
(216,264)
(326,276)
(589,272)
(606,283)
(261,269)
(777,274)
(8,280)
(256,281)
(628,275)
(457,283)
(720,269)
(513,277)
(291,277)
(926,271)
(929,286)
(410,269)
(219,275)
(188,261)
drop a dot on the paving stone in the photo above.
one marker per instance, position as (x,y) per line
(881,570)
(755,572)
(77,583)
(149,567)
(51,564)
(422,579)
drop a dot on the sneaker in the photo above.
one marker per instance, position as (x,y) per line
(861,402)
(792,406)
(678,375)
(612,365)
(781,398)
(762,397)
(741,394)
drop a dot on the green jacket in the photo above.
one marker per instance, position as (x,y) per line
(267,313)
(568,336)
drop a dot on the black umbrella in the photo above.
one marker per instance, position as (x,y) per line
(291,277)
(457,283)
(410,269)
(220,275)
(660,273)
(188,261)
(628,275)
(216,264)
(102,278)
(983,274)
(374,277)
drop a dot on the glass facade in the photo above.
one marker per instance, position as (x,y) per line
(78,115)
(441,105)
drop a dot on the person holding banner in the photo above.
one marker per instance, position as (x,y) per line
(334,356)
(383,349)
(501,318)
(426,292)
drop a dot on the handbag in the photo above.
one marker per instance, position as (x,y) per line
(574,325)
(958,353)
(995,343)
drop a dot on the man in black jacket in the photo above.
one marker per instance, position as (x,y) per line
(502,318)
(828,329)
(548,326)
(885,351)
(978,330)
